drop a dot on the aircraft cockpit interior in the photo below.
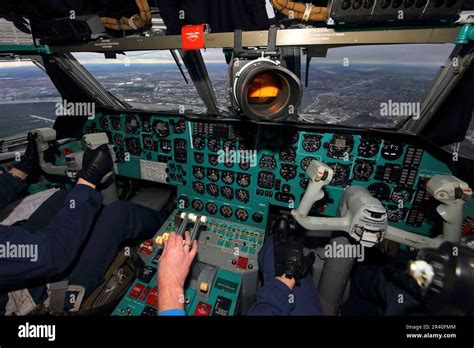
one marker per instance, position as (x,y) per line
(321,145)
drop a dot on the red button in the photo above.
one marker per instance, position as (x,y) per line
(147,247)
(136,291)
(202,310)
(144,293)
(152,299)
(242,262)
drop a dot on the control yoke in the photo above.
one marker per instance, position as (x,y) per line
(360,214)
(74,161)
(365,218)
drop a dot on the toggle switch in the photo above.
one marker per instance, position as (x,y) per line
(204,287)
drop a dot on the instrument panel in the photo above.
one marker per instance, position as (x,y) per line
(236,171)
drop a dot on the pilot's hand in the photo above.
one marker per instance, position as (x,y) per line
(30,160)
(95,165)
(173,268)
(290,260)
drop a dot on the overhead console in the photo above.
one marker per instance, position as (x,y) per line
(236,171)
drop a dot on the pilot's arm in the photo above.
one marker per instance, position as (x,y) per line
(48,252)
(283,264)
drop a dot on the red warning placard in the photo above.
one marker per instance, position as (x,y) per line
(193,36)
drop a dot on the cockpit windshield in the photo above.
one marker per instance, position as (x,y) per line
(358,86)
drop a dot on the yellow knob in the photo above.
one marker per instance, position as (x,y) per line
(160,239)
(204,287)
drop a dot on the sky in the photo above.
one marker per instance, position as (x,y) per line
(427,55)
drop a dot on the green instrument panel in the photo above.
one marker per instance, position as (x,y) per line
(236,171)
(227,259)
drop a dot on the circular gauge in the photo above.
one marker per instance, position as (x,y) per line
(197,205)
(148,142)
(311,143)
(199,157)
(104,122)
(244,165)
(227,192)
(133,146)
(288,155)
(213,144)
(212,174)
(165,145)
(227,177)
(341,174)
(266,180)
(244,145)
(267,162)
(288,171)
(395,214)
(340,146)
(116,123)
(212,190)
(243,179)
(179,127)
(242,195)
(241,214)
(368,147)
(213,160)
(131,125)
(118,139)
(294,136)
(226,211)
(147,127)
(228,144)
(363,170)
(161,129)
(198,187)
(392,151)
(304,164)
(199,173)
(380,191)
(257,217)
(228,164)
(304,183)
(199,143)
(211,208)
(183,202)
(400,194)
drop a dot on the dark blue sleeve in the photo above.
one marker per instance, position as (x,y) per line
(51,250)
(10,188)
(274,298)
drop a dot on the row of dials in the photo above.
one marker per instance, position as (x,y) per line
(227,177)
(225,192)
(215,159)
(241,214)
(341,146)
(132,125)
